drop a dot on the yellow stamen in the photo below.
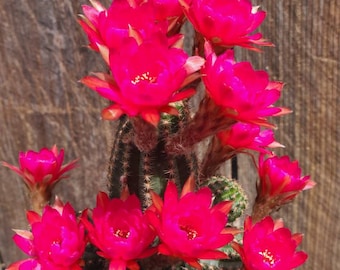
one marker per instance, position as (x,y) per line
(121,233)
(268,257)
(191,233)
(144,77)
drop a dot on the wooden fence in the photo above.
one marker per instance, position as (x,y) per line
(41,104)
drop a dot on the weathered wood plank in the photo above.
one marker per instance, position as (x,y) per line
(307,59)
(42,58)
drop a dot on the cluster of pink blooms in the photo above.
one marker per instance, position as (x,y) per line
(188,227)
(149,71)
(131,33)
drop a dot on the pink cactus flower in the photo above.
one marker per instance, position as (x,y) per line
(226,22)
(108,27)
(189,227)
(267,245)
(44,168)
(280,179)
(167,9)
(242,136)
(121,231)
(55,242)
(142,84)
(244,94)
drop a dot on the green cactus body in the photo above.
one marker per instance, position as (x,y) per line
(226,189)
(145,171)
(230,264)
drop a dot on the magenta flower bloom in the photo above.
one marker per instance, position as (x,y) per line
(267,245)
(189,227)
(42,169)
(281,179)
(143,84)
(108,27)
(244,94)
(56,241)
(167,9)
(226,22)
(121,231)
(242,136)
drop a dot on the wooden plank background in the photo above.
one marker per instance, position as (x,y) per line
(41,104)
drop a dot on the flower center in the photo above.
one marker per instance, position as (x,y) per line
(144,77)
(121,233)
(191,233)
(268,257)
(55,244)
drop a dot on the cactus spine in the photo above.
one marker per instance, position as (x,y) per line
(144,170)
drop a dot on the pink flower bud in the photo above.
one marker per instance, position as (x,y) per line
(43,168)
(280,179)
(243,136)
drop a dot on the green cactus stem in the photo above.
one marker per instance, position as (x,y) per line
(148,168)
(226,189)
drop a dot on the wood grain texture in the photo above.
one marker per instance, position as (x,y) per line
(42,104)
(43,56)
(307,34)
(307,59)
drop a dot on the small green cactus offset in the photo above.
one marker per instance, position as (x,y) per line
(226,189)
(216,265)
